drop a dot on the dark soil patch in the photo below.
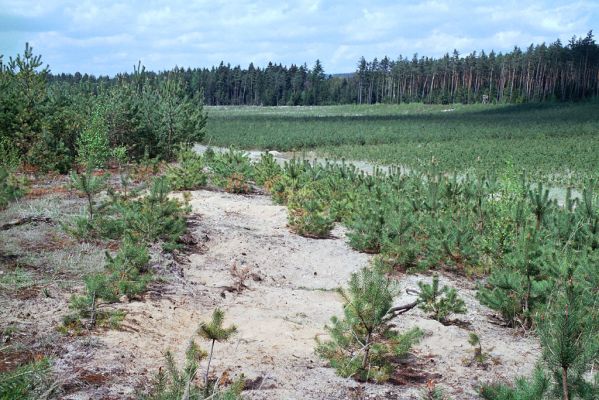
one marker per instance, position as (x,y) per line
(28,293)
(14,359)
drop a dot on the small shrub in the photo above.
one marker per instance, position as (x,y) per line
(189,173)
(128,271)
(214,331)
(440,303)
(93,148)
(10,188)
(367,224)
(479,357)
(433,392)
(362,345)
(308,214)
(89,184)
(172,383)
(89,305)
(535,388)
(156,216)
(266,169)
(29,381)
(236,183)
(231,170)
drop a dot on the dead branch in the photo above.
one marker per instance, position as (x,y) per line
(26,220)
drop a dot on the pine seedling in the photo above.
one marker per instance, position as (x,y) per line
(367,224)
(10,188)
(120,156)
(89,184)
(128,269)
(362,344)
(433,392)
(87,306)
(440,302)
(266,169)
(541,204)
(479,357)
(214,331)
(189,173)
(174,383)
(308,214)
(568,333)
(534,388)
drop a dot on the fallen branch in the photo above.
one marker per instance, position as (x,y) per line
(26,220)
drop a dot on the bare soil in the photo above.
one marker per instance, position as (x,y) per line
(282,306)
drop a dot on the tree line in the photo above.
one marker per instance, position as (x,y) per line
(554,72)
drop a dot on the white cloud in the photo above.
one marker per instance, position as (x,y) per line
(104,36)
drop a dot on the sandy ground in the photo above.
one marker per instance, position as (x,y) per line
(288,301)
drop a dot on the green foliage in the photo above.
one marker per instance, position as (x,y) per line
(89,184)
(172,383)
(522,285)
(93,148)
(367,223)
(155,216)
(214,331)
(480,357)
(440,302)
(29,381)
(47,121)
(88,305)
(433,392)
(567,327)
(10,159)
(308,215)
(231,170)
(266,170)
(128,269)
(362,344)
(10,188)
(545,140)
(189,173)
(534,388)
(568,332)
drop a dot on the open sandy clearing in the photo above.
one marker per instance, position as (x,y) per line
(289,300)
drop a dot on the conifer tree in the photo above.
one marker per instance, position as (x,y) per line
(362,343)
(568,333)
(440,302)
(214,331)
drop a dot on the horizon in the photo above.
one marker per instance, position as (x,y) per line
(107,38)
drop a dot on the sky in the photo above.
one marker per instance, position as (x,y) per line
(107,37)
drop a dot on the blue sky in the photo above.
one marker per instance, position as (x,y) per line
(106,37)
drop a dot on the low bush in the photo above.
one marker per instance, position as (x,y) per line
(173,383)
(362,344)
(308,214)
(10,188)
(189,173)
(439,302)
(231,170)
(29,381)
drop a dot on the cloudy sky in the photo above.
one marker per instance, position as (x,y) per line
(106,37)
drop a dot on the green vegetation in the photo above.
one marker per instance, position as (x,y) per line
(52,125)
(29,381)
(440,303)
(362,344)
(189,172)
(554,143)
(175,384)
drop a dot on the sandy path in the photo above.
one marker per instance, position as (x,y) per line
(281,313)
